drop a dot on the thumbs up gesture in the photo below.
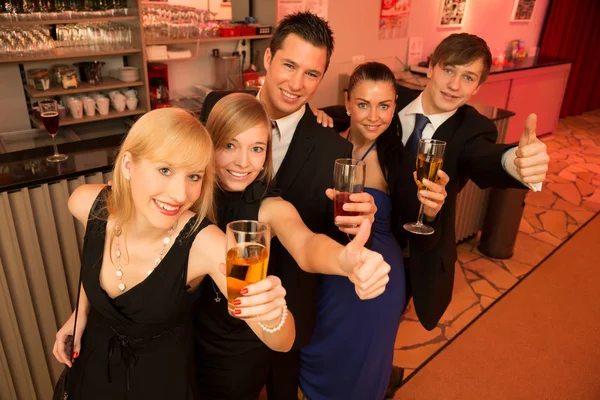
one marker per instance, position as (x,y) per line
(531,156)
(366,269)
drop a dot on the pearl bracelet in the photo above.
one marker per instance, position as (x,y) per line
(284,314)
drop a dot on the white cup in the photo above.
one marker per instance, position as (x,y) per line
(114,93)
(102,104)
(132,103)
(76,108)
(119,103)
(130,93)
(89,105)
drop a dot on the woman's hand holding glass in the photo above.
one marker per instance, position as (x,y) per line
(361,203)
(434,197)
(366,269)
(261,301)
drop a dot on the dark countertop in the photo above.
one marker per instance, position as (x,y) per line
(529,63)
(493,113)
(29,168)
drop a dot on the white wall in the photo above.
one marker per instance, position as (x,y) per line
(355,25)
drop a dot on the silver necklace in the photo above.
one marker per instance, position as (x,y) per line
(217,299)
(119,266)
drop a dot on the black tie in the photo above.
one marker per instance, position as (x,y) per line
(412,144)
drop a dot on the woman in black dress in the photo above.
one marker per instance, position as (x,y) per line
(231,361)
(148,243)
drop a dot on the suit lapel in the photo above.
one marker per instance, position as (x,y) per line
(449,128)
(300,148)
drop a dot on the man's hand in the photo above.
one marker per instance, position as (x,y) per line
(434,197)
(322,118)
(363,203)
(366,269)
(531,156)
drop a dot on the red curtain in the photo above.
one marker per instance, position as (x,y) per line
(572,31)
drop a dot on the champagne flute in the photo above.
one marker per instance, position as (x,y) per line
(248,247)
(348,177)
(49,114)
(430,158)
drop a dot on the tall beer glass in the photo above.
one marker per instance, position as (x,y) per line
(248,247)
(348,177)
(430,158)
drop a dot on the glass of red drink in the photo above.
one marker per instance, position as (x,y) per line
(348,177)
(49,115)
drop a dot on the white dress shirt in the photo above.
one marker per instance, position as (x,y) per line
(283,134)
(407,120)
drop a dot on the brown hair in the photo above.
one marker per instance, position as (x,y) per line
(371,71)
(234,114)
(309,27)
(461,49)
(159,135)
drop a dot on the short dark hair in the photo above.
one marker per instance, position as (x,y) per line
(461,49)
(309,27)
(371,71)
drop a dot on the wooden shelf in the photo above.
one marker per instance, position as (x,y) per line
(72,121)
(69,21)
(71,52)
(172,59)
(57,90)
(151,42)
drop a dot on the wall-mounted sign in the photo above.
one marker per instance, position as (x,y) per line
(452,13)
(522,10)
(393,18)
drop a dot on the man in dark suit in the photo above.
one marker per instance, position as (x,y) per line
(304,153)
(458,67)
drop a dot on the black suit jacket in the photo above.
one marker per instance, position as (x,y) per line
(471,153)
(304,176)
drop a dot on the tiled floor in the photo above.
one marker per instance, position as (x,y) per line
(570,197)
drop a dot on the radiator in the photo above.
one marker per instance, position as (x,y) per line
(40,244)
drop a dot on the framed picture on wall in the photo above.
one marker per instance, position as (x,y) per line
(522,11)
(452,13)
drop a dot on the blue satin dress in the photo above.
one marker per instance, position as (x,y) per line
(351,352)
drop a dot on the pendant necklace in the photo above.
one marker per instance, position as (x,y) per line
(217,299)
(119,266)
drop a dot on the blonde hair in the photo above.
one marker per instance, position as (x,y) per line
(234,114)
(160,135)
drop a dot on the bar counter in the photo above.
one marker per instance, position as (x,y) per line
(29,168)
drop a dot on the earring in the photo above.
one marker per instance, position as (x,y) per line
(127,177)
(347,113)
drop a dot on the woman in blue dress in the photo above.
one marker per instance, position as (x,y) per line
(351,352)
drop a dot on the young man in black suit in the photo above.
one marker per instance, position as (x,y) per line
(304,153)
(458,67)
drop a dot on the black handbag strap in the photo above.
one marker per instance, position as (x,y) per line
(93,215)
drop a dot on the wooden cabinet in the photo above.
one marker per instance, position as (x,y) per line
(114,56)
(533,90)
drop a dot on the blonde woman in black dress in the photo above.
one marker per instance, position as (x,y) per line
(148,244)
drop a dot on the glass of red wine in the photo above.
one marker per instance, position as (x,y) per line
(49,114)
(348,177)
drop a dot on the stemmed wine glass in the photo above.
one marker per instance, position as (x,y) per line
(49,114)
(430,158)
